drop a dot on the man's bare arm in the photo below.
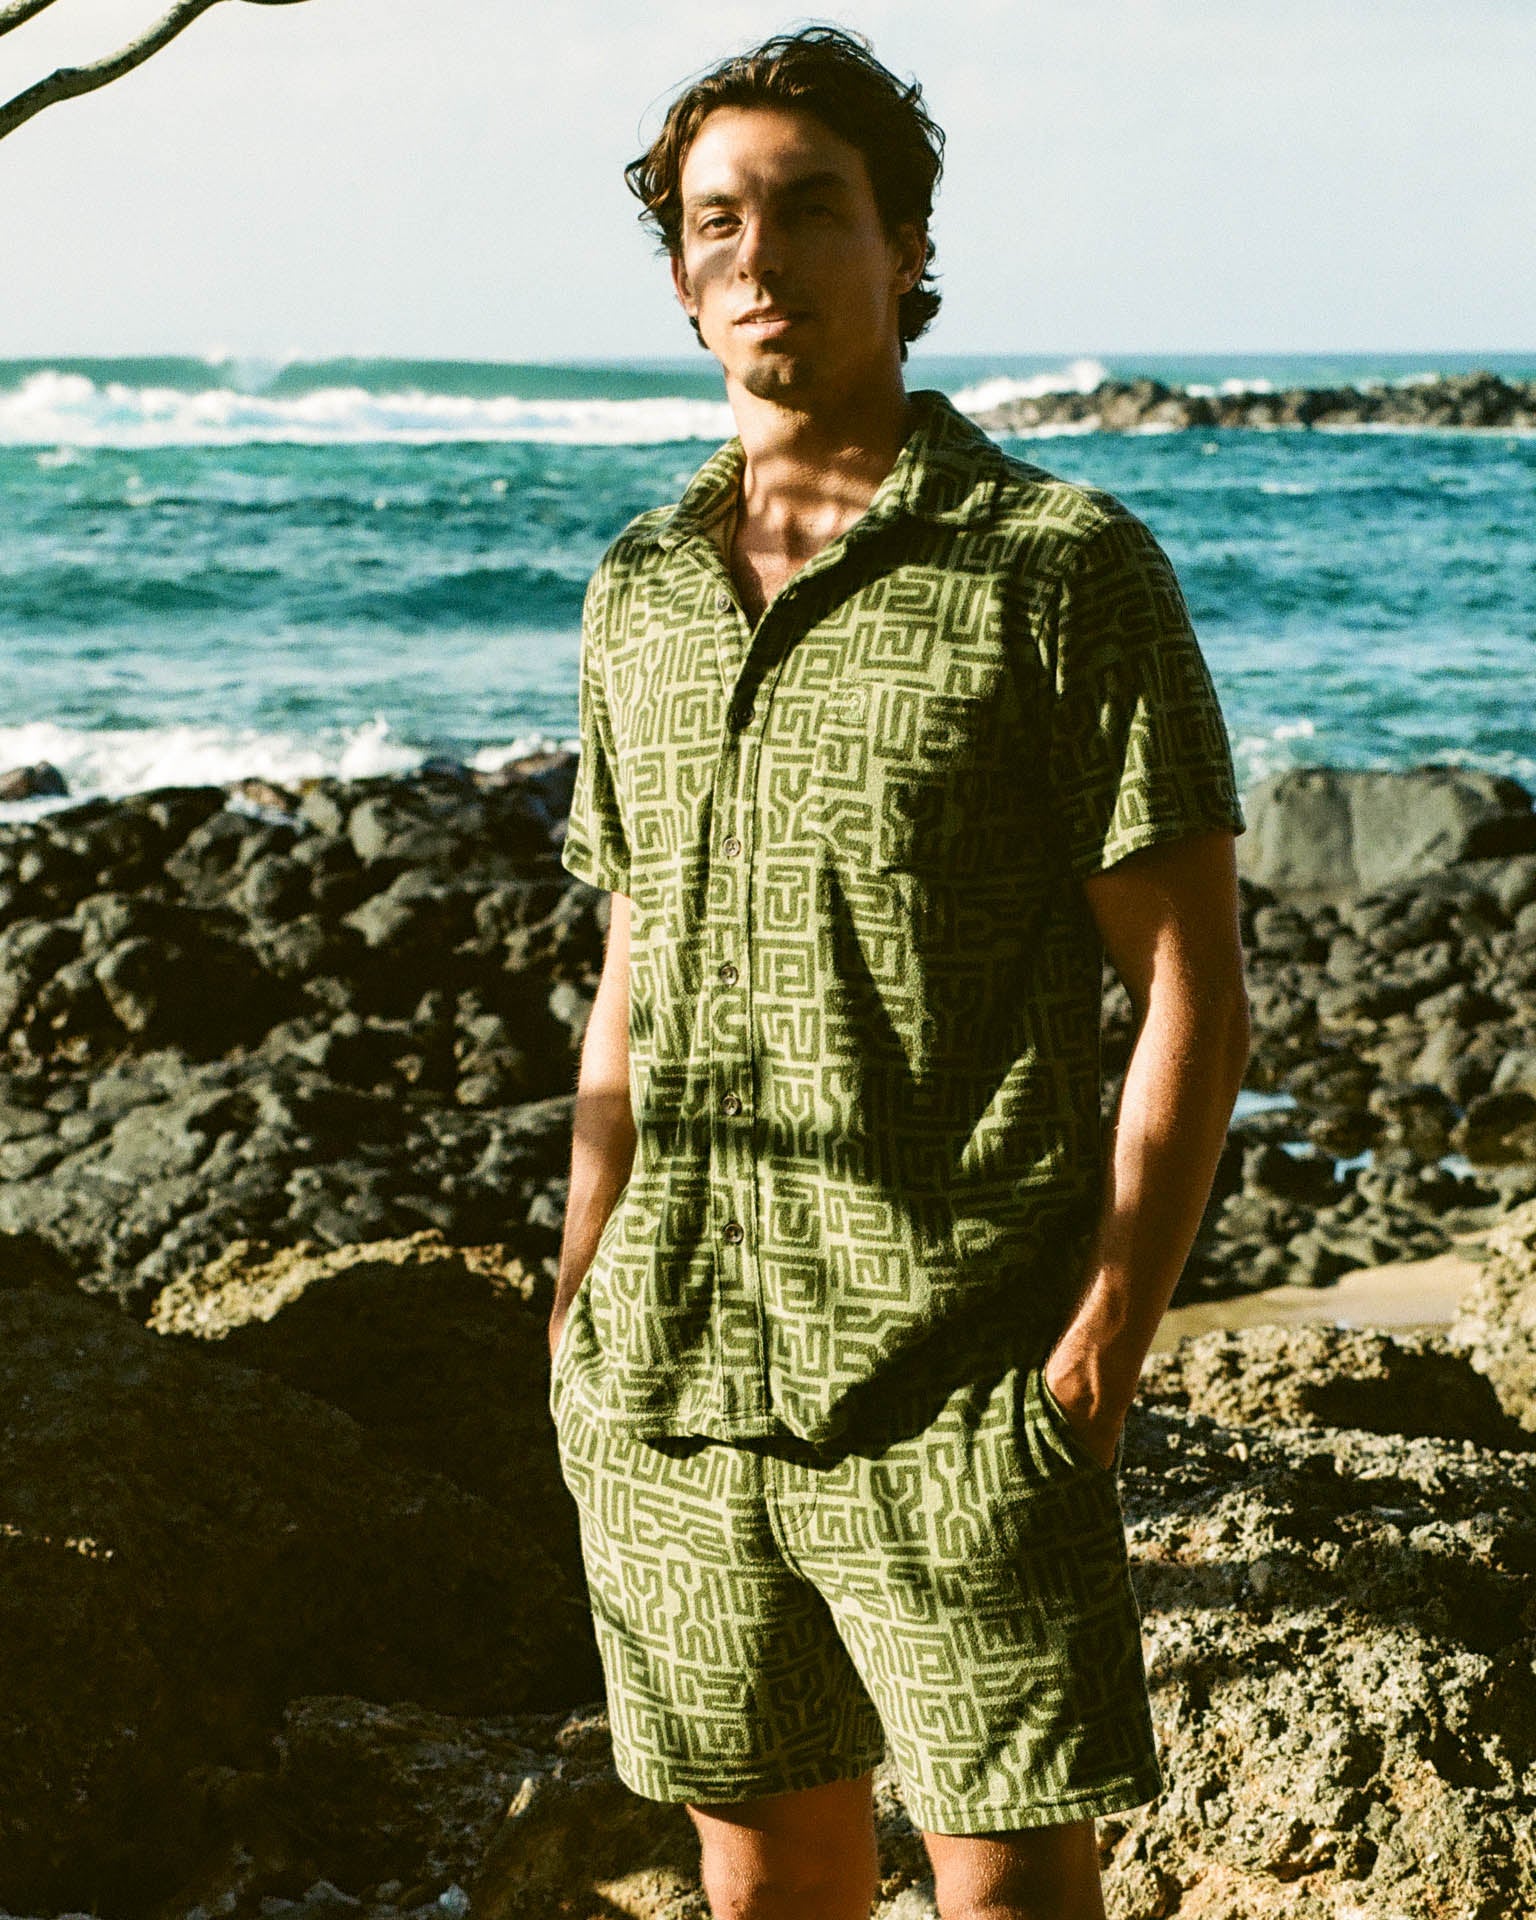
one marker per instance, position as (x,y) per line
(1168,919)
(603,1136)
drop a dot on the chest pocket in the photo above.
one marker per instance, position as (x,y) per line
(903,777)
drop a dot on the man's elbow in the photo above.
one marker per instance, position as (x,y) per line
(1216,1024)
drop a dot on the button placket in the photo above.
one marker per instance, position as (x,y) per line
(741,1326)
(727,978)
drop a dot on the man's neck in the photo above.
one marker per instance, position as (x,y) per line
(811,472)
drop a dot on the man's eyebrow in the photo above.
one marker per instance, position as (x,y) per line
(819,182)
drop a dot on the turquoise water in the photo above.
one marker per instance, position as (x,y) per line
(207,571)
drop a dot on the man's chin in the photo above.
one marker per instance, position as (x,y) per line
(782,377)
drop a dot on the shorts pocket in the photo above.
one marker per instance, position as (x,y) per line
(1059,1418)
(1047,1445)
(554,1369)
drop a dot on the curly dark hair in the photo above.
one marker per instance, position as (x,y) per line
(833,74)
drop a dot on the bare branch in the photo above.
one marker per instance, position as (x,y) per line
(67,83)
(19,11)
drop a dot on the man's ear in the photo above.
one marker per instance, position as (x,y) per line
(682,288)
(911,253)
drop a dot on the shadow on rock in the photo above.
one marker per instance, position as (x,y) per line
(184,1547)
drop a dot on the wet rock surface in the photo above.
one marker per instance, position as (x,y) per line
(1468,400)
(1392,1100)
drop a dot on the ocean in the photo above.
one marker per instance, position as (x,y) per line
(219,568)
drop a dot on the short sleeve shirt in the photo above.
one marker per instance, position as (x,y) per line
(864,992)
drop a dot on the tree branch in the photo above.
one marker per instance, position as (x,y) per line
(19,11)
(67,83)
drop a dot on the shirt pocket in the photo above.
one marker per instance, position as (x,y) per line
(901,777)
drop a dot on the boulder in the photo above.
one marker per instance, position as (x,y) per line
(440,1352)
(42,781)
(1329,832)
(187,1545)
(1496,1325)
(1322,1376)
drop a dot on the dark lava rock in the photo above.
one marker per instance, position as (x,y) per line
(185,1546)
(1479,400)
(363,1327)
(43,781)
(1499,1127)
(365,989)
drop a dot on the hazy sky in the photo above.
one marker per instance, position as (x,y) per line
(442,177)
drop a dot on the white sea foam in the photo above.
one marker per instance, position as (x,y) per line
(51,409)
(1257,756)
(1233,389)
(1057,429)
(117,761)
(1081,376)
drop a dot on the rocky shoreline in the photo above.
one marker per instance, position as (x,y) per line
(1468,401)
(355,1012)
(291,1612)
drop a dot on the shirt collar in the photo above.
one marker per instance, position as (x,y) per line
(946,471)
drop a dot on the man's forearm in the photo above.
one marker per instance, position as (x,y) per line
(1180,1085)
(602,1152)
(603,1135)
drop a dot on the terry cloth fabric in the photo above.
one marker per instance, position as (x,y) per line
(864,982)
(771,1619)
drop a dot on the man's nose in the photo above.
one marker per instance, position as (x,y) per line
(760,247)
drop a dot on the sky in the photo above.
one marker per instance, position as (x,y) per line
(444,179)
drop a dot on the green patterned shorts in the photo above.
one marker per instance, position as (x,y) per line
(772,1618)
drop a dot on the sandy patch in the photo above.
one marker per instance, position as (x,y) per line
(1406,1294)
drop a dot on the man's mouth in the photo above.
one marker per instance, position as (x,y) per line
(768,321)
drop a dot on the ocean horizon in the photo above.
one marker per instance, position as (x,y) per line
(214,567)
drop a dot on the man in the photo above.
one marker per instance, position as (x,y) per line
(886,738)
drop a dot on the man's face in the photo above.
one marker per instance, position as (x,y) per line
(785,263)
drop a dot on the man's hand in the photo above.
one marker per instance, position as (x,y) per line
(1168,919)
(1099,1431)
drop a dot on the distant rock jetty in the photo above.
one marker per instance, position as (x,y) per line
(1468,400)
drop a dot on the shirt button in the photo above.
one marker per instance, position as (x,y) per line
(728,974)
(731,1102)
(732,1231)
(722,601)
(732,847)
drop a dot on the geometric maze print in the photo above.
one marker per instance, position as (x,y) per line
(773,1616)
(864,983)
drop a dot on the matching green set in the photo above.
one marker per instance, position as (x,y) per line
(828,1505)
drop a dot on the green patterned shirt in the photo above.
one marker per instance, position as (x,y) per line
(864,982)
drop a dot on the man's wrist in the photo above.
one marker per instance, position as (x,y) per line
(1093,1371)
